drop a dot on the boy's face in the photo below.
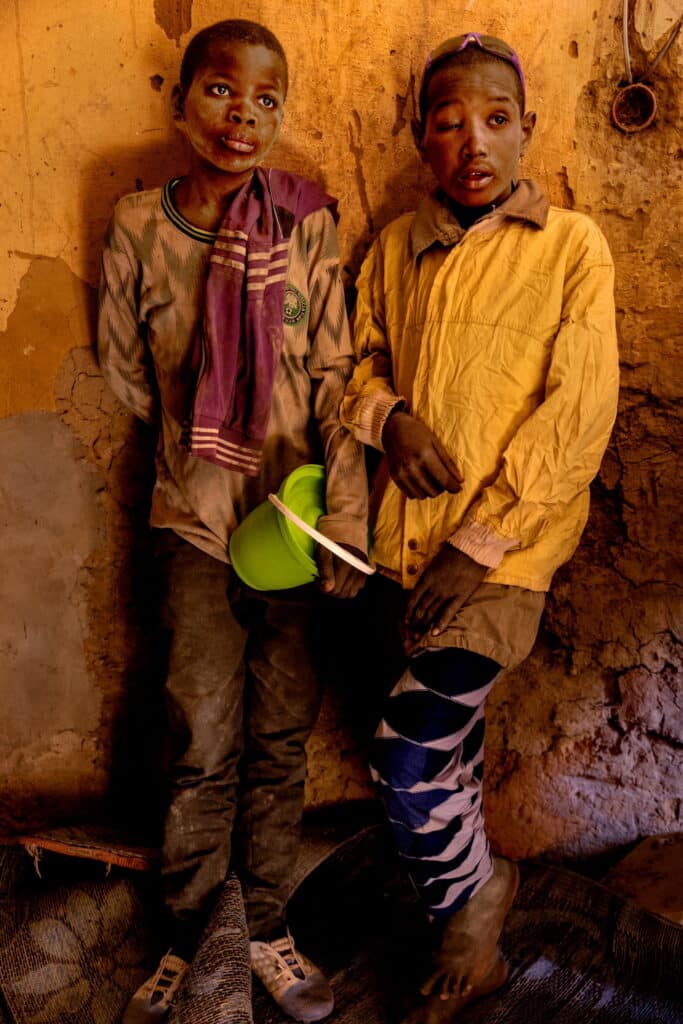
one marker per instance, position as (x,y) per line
(474,134)
(232,112)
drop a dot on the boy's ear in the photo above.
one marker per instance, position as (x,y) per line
(528,125)
(178,103)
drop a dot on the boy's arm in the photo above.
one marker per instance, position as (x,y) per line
(123,355)
(417,461)
(330,364)
(370,397)
(557,451)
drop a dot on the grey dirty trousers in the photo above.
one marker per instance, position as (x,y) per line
(242,695)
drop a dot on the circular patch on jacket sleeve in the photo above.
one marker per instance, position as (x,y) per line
(295,305)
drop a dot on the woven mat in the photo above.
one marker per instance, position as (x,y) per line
(578,953)
(72,954)
(75,952)
(581,954)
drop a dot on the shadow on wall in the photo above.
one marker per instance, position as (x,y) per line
(402,192)
(118,173)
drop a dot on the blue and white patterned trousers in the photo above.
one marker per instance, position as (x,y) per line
(428,761)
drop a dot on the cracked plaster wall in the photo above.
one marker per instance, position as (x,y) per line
(585,739)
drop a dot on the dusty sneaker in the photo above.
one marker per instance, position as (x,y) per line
(296,985)
(153,999)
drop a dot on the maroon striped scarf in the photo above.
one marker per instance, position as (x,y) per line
(243,330)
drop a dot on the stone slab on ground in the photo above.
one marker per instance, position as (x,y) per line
(652,874)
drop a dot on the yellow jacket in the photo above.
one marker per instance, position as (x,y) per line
(502,340)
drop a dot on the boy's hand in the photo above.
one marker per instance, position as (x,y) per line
(418,462)
(444,587)
(337,577)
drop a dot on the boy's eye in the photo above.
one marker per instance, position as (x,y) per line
(447,126)
(220,89)
(268,102)
(499,119)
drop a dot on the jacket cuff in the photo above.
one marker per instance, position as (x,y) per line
(373,414)
(481,543)
(345,530)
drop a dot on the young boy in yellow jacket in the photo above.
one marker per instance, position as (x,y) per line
(488,374)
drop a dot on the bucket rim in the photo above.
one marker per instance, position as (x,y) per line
(288,529)
(304,559)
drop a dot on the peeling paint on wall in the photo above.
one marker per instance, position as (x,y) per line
(174,17)
(53,313)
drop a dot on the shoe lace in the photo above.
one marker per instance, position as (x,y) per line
(285,949)
(166,980)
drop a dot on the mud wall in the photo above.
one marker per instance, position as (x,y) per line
(585,739)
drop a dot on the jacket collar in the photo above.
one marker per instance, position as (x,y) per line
(434,222)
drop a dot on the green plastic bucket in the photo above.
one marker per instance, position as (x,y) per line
(267,551)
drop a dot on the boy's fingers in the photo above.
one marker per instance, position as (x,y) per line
(437,473)
(418,481)
(325,560)
(429,481)
(446,615)
(353,584)
(455,478)
(406,481)
(423,611)
(337,577)
(448,461)
(419,464)
(430,476)
(430,612)
(415,596)
(343,578)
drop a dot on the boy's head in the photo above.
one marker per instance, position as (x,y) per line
(473,126)
(229,103)
(234,30)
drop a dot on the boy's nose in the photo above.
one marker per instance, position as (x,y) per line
(474,143)
(242,114)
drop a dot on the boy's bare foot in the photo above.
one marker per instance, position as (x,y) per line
(439,1010)
(468,956)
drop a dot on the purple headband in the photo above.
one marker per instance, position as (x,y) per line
(489,44)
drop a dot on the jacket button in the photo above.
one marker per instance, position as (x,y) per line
(412,544)
(412,570)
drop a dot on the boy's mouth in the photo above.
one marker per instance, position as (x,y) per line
(237,144)
(476,177)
